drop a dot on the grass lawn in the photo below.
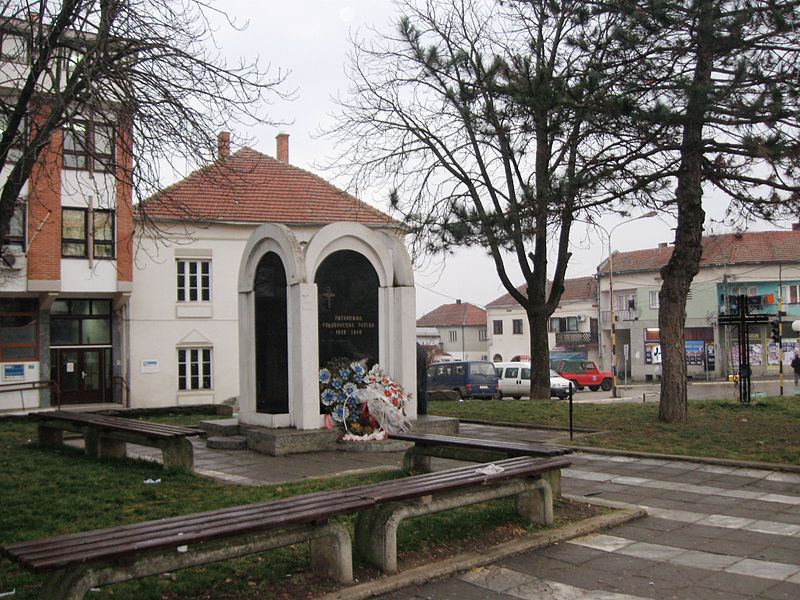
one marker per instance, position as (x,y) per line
(51,492)
(766,430)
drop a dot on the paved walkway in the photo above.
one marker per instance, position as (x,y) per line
(713,532)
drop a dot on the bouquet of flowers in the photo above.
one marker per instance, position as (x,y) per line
(361,401)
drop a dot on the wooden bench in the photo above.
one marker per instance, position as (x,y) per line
(78,562)
(106,436)
(427,445)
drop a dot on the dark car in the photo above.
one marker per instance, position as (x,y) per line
(470,379)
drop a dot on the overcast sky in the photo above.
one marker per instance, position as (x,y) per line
(310,39)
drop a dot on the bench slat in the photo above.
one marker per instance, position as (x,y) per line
(118,542)
(117,423)
(519,448)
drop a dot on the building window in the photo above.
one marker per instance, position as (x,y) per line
(497,326)
(80,322)
(517,325)
(20,137)
(89,145)
(483,335)
(13,47)
(745,290)
(19,329)
(194,280)
(454,336)
(15,238)
(561,324)
(82,229)
(194,369)
(654,299)
(790,294)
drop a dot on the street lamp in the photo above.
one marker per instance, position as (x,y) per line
(647,215)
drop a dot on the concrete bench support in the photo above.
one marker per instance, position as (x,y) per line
(331,553)
(376,528)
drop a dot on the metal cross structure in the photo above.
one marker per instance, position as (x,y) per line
(742,318)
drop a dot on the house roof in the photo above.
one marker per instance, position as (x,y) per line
(448,315)
(579,288)
(248,186)
(752,247)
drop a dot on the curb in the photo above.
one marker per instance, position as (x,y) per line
(623,513)
(529,426)
(707,460)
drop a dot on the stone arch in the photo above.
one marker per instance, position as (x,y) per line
(271,237)
(401,261)
(350,236)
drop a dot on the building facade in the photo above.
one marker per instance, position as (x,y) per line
(572,331)
(462,331)
(764,266)
(238,267)
(66,268)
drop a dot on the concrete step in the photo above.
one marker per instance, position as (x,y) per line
(221,426)
(227,442)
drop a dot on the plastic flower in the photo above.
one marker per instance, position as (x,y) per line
(344,373)
(340,413)
(327,397)
(336,383)
(324,376)
(349,389)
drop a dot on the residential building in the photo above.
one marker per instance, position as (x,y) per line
(202,267)
(66,268)
(462,330)
(572,330)
(762,265)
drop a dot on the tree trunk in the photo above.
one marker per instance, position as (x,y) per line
(678,273)
(540,355)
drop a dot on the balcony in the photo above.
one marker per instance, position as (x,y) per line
(621,315)
(575,338)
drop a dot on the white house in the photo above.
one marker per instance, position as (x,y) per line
(572,328)
(462,330)
(252,237)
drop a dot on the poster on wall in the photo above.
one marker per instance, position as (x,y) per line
(652,353)
(790,346)
(756,355)
(695,350)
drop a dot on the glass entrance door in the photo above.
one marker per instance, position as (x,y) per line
(83,374)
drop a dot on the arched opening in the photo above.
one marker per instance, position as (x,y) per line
(347,288)
(272,357)
(497,358)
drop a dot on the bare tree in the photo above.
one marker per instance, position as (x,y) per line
(150,66)
(723,74)
(485,120)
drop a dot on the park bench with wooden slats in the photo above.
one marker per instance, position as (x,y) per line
(78,562)
(427,445)
(106,436)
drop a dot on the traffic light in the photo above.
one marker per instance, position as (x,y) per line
(775,331)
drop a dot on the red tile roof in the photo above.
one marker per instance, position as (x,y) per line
(448,315)
(580,288)
(248,186)
(718,250)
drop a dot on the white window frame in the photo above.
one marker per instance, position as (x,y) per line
(514,324)
(483,335)
(198,368)
(187,284)
(453,335)
(654,299)
(790,293)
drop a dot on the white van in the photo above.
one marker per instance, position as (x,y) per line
(514,379)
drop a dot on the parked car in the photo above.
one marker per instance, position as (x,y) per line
(471,379)
(584,373)
(514,379)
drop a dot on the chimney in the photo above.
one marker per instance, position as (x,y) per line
(282,147)
(223,144)
(663,244)
(795,226)
(458,301)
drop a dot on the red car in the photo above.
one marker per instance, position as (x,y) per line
(584,373)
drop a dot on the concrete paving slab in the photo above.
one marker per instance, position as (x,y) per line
(763,569)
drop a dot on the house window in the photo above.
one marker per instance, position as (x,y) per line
(561,324)
(790,294)
(19,333)
(82,228)
(194,369)
(15,238)
(18,143)
(482,335)
(497,326)
(454,336)
(80,322)
(194,280)
(654,299)
(13,47)
(745,290)
(89,145)
(517,325)
(625,301)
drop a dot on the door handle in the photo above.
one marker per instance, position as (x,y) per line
(83,374)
